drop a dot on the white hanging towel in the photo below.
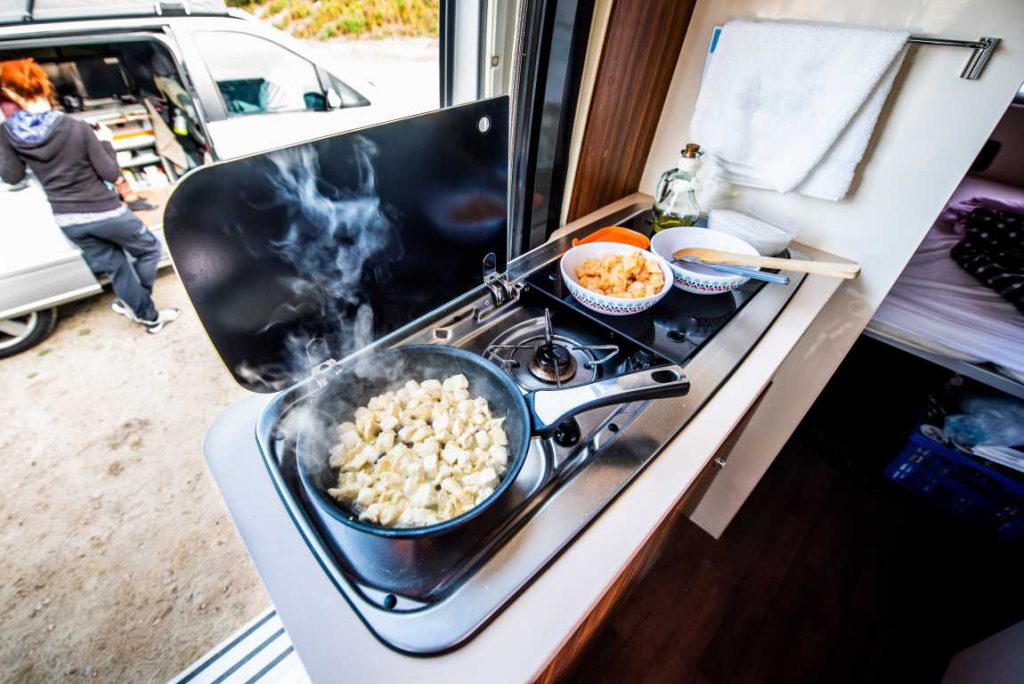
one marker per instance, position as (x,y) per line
(791,105)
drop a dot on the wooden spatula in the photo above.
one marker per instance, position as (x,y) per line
(716,256)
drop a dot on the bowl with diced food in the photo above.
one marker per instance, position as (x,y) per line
(615,279)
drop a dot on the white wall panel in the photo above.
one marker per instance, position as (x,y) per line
(930,131)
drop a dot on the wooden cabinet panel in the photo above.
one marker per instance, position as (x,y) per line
(637,62)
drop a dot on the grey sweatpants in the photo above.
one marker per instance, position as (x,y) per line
(105,243)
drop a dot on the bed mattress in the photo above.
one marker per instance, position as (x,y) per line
(937,306)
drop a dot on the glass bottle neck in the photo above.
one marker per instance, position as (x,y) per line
(687,164)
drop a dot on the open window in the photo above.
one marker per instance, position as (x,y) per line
(477,48)
(532,50)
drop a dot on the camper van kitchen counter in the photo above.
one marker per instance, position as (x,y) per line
(332,272)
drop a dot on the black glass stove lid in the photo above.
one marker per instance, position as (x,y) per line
(676,327)
(342,239)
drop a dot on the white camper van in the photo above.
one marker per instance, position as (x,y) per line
(178,89)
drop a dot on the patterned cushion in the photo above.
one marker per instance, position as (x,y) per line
(992,251)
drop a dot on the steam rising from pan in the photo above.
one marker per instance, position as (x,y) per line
(332,233)
(339,241)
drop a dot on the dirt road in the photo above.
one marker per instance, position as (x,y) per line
(118,561)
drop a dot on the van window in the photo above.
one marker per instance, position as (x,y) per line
(255,76)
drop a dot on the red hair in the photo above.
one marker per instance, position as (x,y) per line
(26,79)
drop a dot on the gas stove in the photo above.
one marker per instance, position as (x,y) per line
(543,339)
(375,238)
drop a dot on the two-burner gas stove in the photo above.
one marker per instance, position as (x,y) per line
(543,339)
(272,250)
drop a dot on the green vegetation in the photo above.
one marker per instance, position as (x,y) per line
(326,19)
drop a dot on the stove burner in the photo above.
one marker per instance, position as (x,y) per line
(538,361)
(553,362)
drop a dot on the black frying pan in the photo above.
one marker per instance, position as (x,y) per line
(535,413)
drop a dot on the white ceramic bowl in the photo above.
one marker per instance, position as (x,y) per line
(762,236)
(696,278)
(595,301)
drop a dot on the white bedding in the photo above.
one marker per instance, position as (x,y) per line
(938,306)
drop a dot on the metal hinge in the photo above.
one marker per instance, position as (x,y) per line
(322,366)
(502,291)
(325,372)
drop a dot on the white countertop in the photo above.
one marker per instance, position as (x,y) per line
(524,637)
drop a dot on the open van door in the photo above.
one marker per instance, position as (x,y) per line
(534,51)
(40,269)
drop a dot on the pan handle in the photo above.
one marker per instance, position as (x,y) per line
(551,407)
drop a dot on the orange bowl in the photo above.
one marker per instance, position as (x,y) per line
(618,234)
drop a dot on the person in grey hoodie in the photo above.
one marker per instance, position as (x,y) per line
(74,163)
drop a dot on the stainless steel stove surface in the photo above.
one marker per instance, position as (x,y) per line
(543,340)
(528,343)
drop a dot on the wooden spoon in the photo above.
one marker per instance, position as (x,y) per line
(716,256)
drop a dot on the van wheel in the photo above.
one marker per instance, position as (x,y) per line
(23,332)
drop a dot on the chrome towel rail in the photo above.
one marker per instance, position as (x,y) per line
(982,51)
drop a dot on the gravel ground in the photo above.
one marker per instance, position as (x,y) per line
(118,561)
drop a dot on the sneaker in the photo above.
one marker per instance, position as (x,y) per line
(123,309)
(163,317)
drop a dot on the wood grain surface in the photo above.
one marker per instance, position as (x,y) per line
(569,655)
(564,664)
(637,62)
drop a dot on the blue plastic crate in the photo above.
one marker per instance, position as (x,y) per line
(959,485)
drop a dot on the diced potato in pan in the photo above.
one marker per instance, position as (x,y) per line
(425,453)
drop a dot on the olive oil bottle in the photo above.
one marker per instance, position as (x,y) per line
(675,200)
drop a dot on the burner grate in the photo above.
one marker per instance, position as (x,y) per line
(539,361)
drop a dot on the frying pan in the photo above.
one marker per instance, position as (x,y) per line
(393,565)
